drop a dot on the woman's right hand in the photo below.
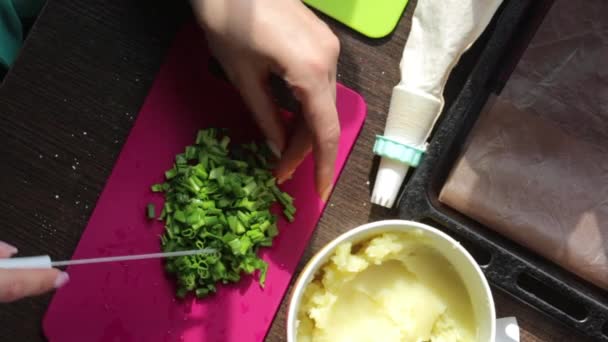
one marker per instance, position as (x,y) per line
(254,38)
(16,283)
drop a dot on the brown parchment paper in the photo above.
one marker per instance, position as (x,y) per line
(535,167)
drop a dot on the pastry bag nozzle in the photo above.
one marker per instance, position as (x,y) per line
(411,117)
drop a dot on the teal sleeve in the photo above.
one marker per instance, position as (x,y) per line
(12,12)
(11,33)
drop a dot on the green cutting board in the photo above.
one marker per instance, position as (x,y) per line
(373,18)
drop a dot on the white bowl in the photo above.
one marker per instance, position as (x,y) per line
(464,264)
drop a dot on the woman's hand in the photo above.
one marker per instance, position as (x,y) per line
(17,284)
(251,39)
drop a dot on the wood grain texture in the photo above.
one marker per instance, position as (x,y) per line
(70,100)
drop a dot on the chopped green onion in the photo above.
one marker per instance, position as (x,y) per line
(150,210)
(157,188)
(225,141)
(179,216)
(170,174)
(289,216)
(191,152)
(216,173)
(218,196)
(180,159)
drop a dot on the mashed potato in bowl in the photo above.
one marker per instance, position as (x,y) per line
(395,285)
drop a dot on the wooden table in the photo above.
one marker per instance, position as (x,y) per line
(70,101)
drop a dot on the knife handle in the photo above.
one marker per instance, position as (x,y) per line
(40,261)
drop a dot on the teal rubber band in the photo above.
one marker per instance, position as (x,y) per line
(387,147)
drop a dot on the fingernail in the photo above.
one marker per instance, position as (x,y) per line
(274,149)
(325,194)
(10,249)
(61,280)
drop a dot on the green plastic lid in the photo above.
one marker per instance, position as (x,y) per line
(373,18)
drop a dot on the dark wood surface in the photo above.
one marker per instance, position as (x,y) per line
(70,100)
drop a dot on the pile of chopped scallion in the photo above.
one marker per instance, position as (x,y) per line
(218,197)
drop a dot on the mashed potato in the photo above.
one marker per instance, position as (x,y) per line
(394,287)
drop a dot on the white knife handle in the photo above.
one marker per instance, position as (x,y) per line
(41,261)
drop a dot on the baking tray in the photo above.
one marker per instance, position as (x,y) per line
(508,266)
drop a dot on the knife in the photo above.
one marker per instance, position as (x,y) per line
(44,261)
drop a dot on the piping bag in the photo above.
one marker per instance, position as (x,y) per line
(442,30)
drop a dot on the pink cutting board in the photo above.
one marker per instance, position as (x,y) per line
(134,302)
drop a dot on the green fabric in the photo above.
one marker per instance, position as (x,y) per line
(11,33)
(11,28)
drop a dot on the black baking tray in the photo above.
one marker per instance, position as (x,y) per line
(508,266)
